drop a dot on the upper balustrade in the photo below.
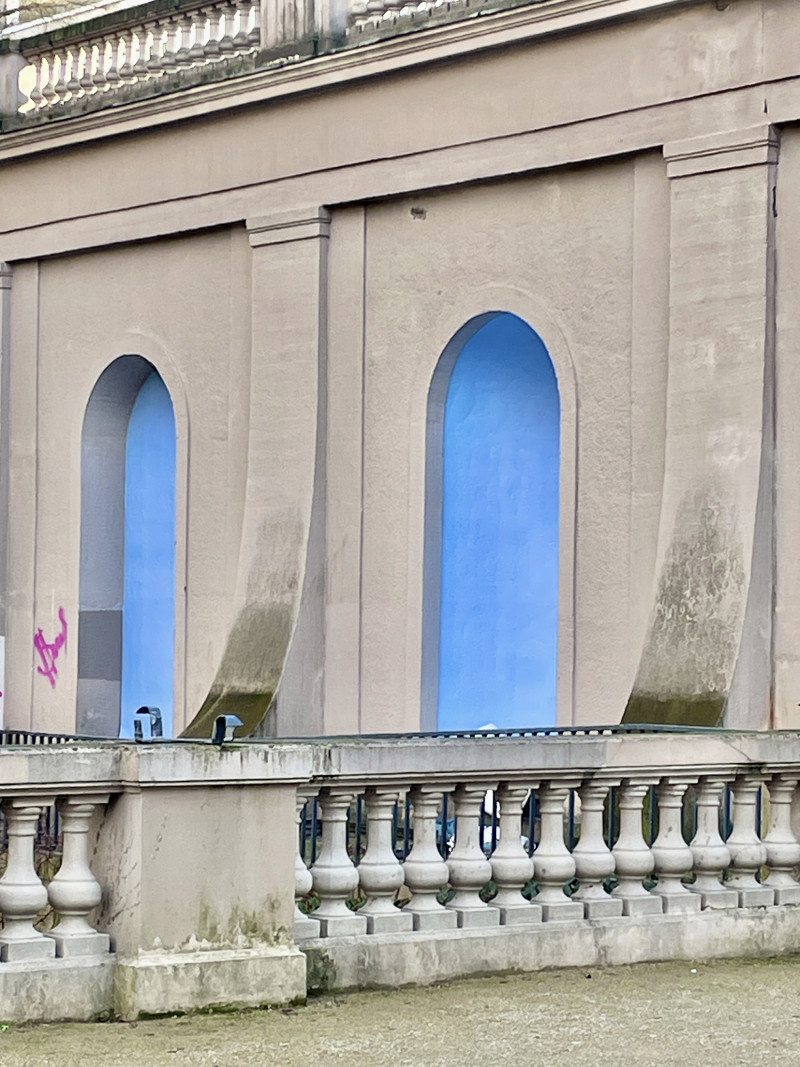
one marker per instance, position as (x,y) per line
(71,66)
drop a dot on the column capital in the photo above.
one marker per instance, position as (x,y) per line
(285,227)
(5,275)
(733,149)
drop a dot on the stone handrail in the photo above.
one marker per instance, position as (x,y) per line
(180,870)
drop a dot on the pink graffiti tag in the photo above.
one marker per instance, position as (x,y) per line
(48,653)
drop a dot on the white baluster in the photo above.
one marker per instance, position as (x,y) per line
(22,895)
(553,866)
(112,70)
(748,853)
(254,36)
(144,48)
(709,852)
(469,869)
(64,76)
(304,925)
(182,57)
(49,96)
(334,876)
(783,850)
(593,859)
(197,52)
(424,869)
(157,61)
(35,95)
(634,860)
(375,10)
(241,41)
(379,871)
(673,857)
(76,60)
(211,49)
(126,75)
(512,867)
(87,74)
(75,891)
(226,45)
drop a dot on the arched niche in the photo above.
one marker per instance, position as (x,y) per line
(126,623)
(491,576)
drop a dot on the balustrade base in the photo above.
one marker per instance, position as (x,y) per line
(562,911)
(755,897)
(641,905)
(601,909)
(386,923)
(29,948)
(429,921)
(80,944)
(679,903)
(717,899)
(518,914)
(786,894)
(342,925)
(476,918)
(305,927)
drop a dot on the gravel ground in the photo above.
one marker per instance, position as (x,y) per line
(684,1014)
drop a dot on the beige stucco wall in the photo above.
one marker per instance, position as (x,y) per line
(297,309)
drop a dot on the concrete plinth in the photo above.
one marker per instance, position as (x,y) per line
(787,894)
(718,899)
(442,919)
(54,990)
(680,903)
(568,911)
(305,927)
(641,905)
(756,897)
(518,914)
(387,923)
(477,918)
(82,945)
(597,908)
(342,925)
(29,948)
(163,982)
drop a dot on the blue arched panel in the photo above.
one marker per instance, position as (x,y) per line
(148,617)
(499,546)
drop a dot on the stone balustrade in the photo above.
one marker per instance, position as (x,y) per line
(413,859)
(161,46)
(149,47)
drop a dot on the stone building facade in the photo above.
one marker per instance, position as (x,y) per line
(302,253)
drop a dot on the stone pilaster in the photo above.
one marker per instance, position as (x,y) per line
(280,580)
(707,653)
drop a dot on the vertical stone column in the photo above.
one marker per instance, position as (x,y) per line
(304,925)
(22,895)
(512,867)
(553,865)
(593,859)
(469,868)
(708,646)
(673,857)
(334,874)
(74,891)
(711,854)
(748,853)
(379,871)
(634,859)
(279,589)
(783,849)
(425,871)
